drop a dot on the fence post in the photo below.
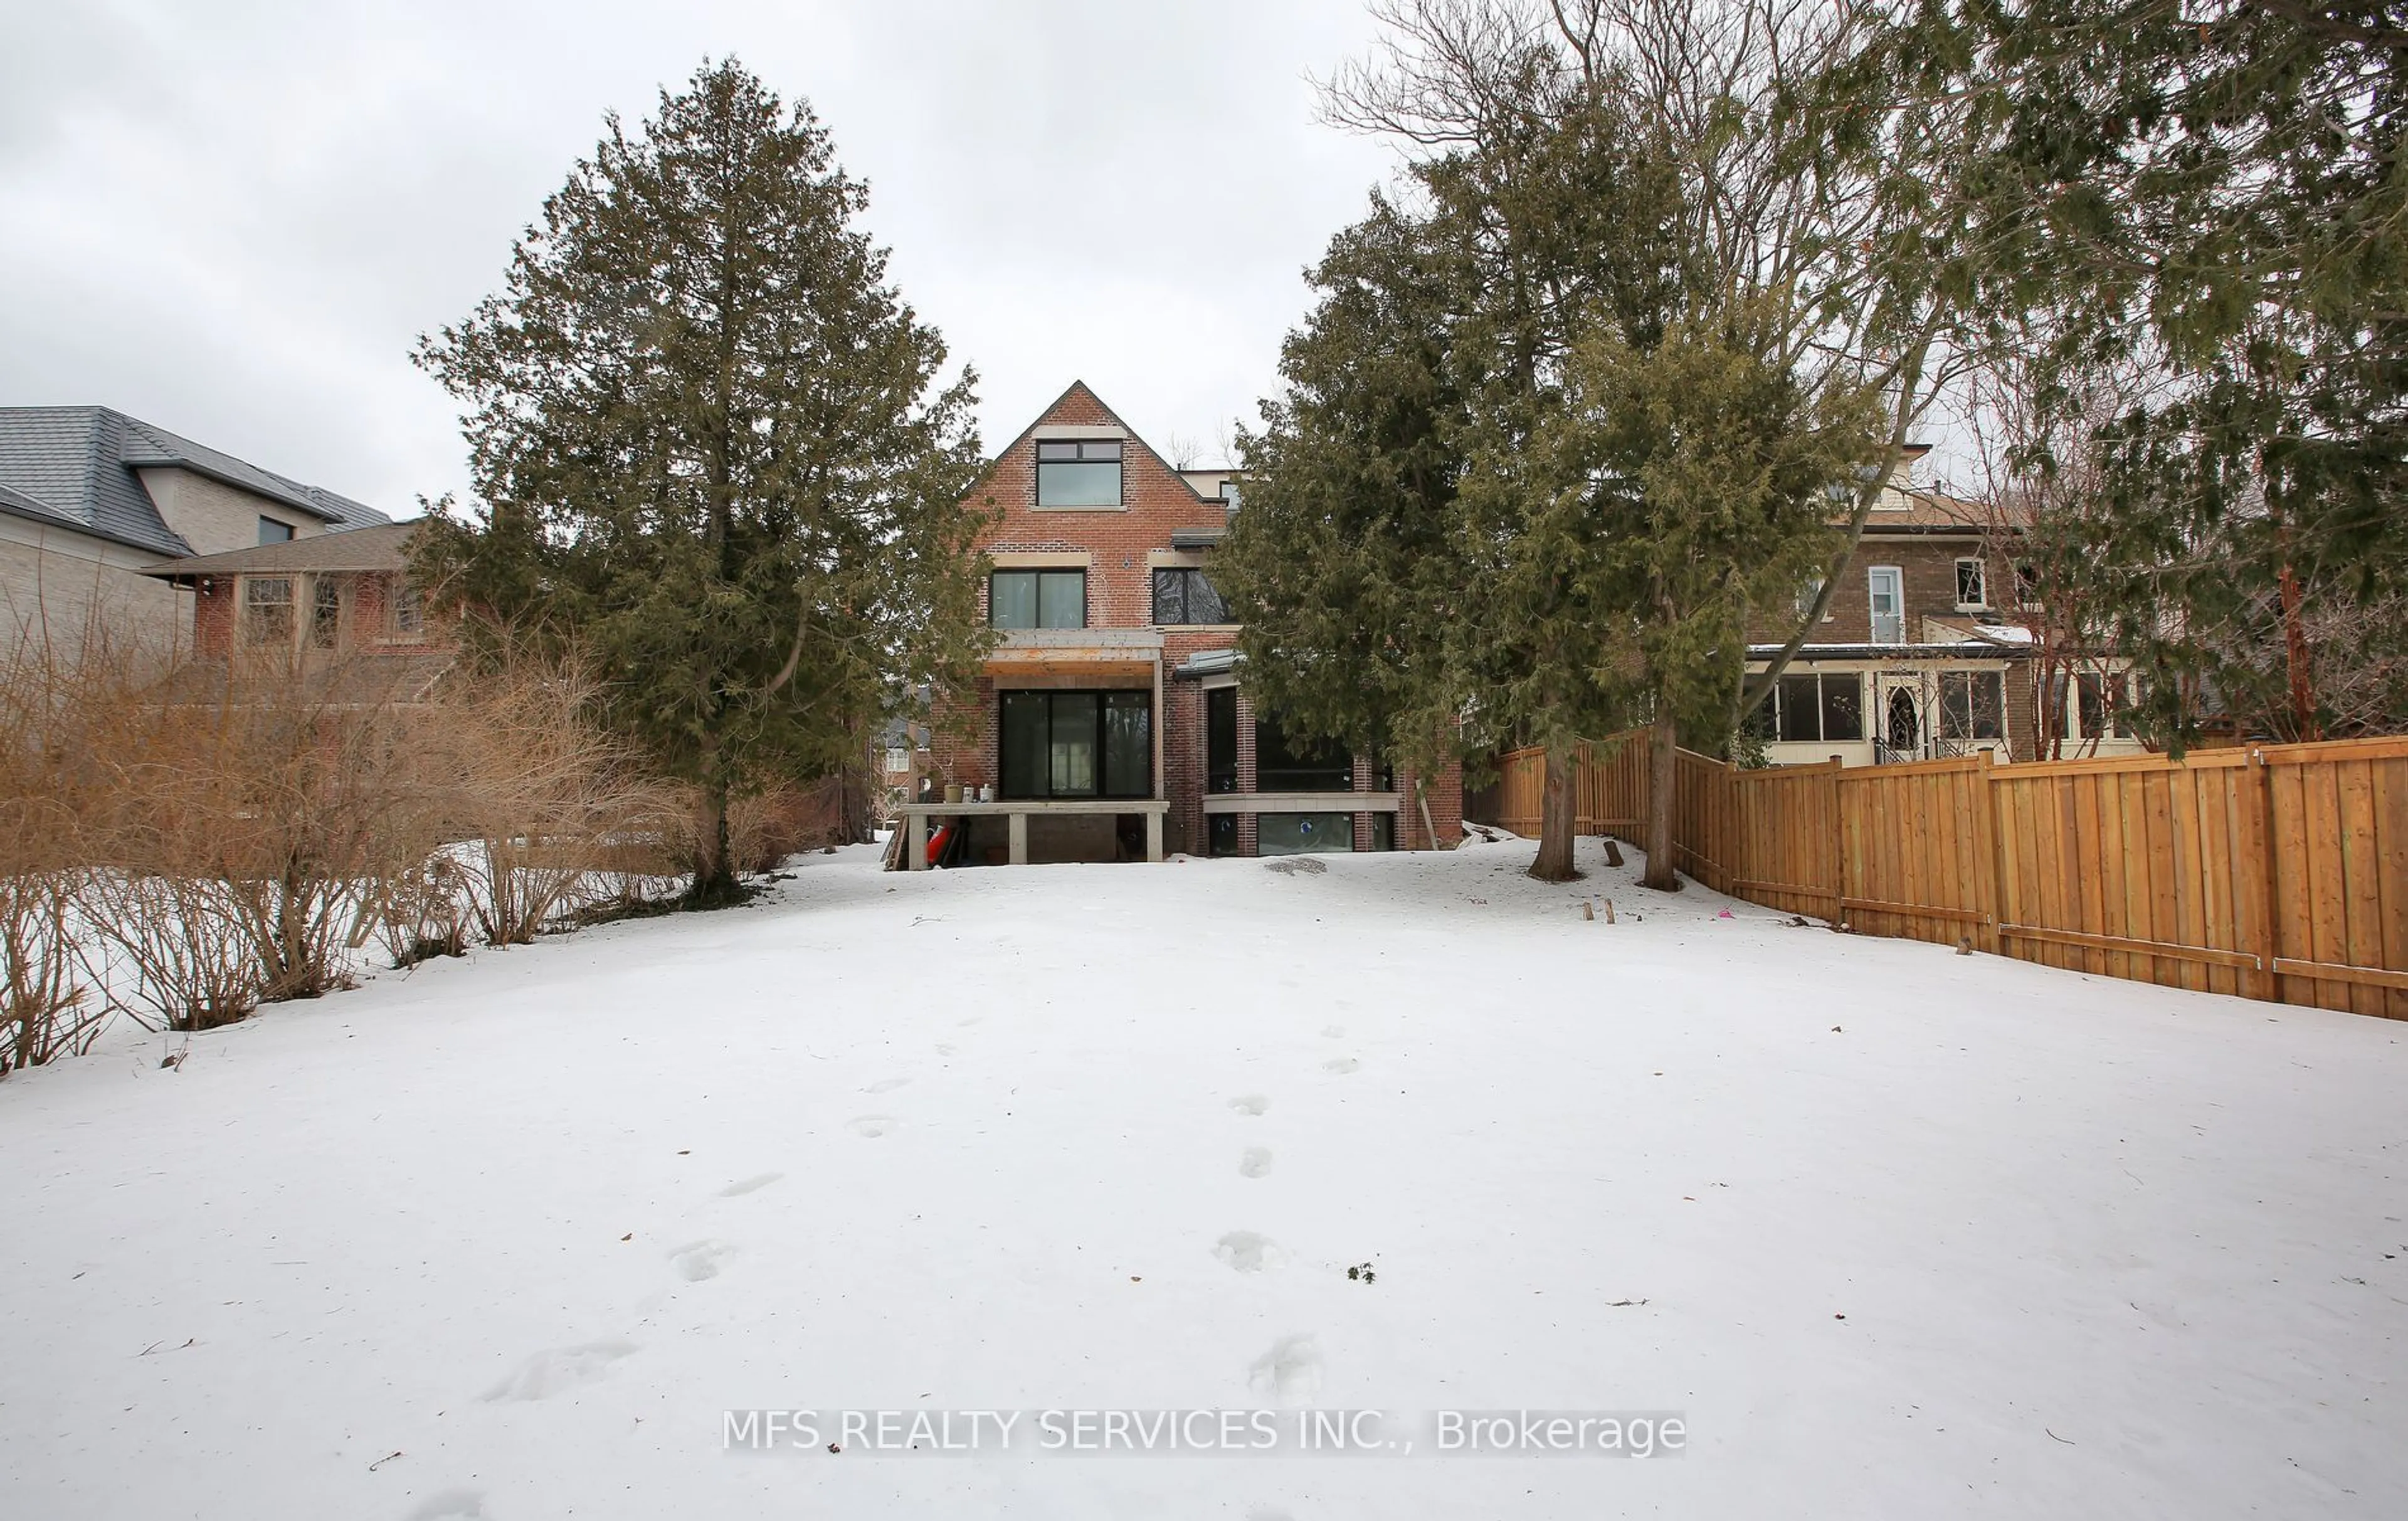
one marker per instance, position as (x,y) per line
(1989,894)
(2255,889)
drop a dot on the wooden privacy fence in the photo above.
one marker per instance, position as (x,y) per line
(2272,871)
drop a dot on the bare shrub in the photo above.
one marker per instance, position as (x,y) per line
(786,820)
(184,843)
(546,802)
(48,1005)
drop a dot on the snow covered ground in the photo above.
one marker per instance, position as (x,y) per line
(1897,1233)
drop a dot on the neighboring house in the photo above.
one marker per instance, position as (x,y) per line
(1116,683)
(1924,650)
(91,499)
(338,603)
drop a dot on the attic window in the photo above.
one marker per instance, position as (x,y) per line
(1080,473)
(273,532)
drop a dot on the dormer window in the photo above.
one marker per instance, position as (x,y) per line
(1079,473)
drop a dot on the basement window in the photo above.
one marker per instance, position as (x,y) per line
(1087,473)
(1303,834)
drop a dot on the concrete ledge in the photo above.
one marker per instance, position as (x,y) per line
(1303,802)
(1036,805)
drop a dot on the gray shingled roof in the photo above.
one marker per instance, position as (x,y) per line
(76,466)
(382,546)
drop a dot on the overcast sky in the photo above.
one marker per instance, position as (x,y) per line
(233,218)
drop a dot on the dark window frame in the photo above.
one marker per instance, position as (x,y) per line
(1037,574)
(1329,816)
(1221,739)
(274,530)
(1082,451)
(1187,582)
(1314,758)
(1013,789)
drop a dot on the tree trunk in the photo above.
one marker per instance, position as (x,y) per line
(714,865)
(1663,765)
(1554,862)
(2296,668)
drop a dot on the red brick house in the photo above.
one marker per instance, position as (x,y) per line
(339,603)
(1926,650)
(1111,720)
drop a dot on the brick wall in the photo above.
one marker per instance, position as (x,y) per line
(1927,567)
(1120,547)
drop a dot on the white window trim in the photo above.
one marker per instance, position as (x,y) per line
(1872,623)
(1981,569)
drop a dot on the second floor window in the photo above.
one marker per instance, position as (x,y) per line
(1038,599)
(1083,474)
(1972,590)
(1886,590)
(266,610)
(273,532)
(1182,595)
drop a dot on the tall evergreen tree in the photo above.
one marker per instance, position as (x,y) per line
(2215,187)
(1591,178)
(715,451)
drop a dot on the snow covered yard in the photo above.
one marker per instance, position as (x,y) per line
(1899,1233)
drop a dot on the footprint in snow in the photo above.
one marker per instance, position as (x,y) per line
(1335,1032)
(748,1185)
(886,1084)
(450,1505)
(1341,1066)
(1251,1103)
(698,1260)
(1254,1161)
(871,1126)
(1289,1373)
(559,1369)
(1246,1251)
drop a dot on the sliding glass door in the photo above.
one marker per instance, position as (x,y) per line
(1077,744)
